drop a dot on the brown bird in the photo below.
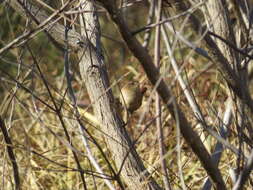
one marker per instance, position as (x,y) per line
(131,96)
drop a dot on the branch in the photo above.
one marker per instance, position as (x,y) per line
(152,73)
(94,74)
(11,154)
(217,57)
(244,175)
(38,16)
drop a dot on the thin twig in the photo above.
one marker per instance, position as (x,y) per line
(147,35)
(10,154)
(245,174)
(150,26)
(158,100)
(219,147)
(30,34)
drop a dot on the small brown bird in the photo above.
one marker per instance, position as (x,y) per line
(131,96)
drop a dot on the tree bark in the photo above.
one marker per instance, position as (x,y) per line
(95,77)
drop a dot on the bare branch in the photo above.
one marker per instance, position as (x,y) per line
(146,61)
(41,21)
(244,175)
(10,154)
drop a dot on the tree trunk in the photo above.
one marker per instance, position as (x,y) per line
(95,76)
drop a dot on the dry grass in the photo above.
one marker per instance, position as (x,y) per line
(44,154)
(41,148)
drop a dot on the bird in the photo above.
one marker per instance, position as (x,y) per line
(132,95)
